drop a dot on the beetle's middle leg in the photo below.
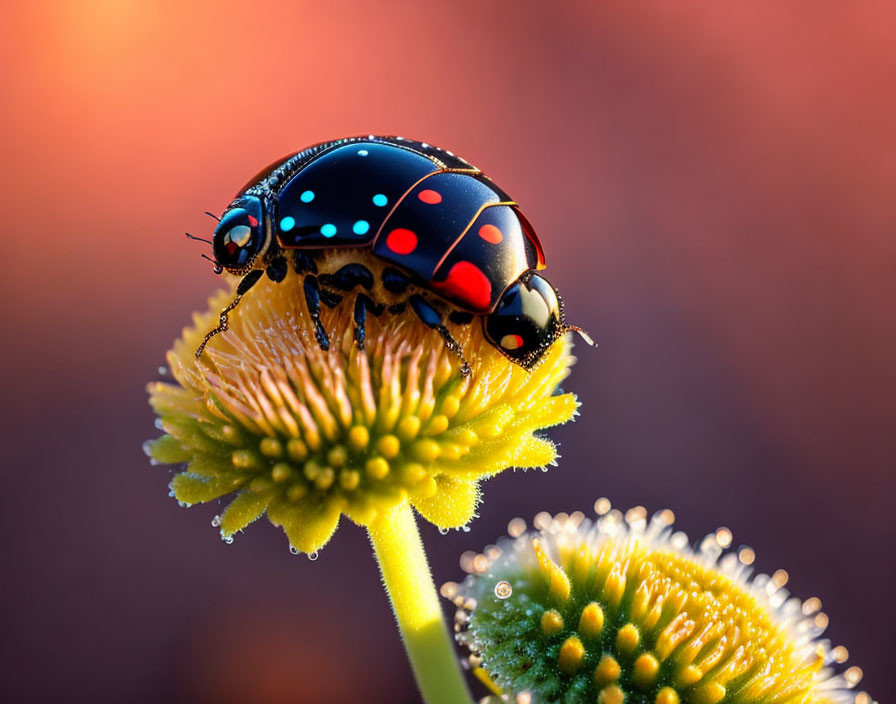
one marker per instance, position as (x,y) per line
(348,278)
(363,305)
(313,300)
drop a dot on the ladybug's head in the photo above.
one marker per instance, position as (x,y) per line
(527,320)
(242,235)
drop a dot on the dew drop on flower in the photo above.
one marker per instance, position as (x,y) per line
(312,556)
(448,590)
(294,550)
(443,531)
(503,590)
(516,527)
(216,521)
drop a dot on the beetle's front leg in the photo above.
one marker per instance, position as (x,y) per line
(247,282)
(303,262)
(277,269)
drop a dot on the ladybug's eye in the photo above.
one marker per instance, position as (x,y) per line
(526,320)
(240,236)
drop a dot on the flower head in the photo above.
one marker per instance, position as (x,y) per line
(622,610)
(305,435)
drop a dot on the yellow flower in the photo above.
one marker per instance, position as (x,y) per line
(306,435)
(622,610)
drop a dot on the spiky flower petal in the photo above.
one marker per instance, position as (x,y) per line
(304,435)
(623,611)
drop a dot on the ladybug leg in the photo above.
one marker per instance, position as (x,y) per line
(277,269)
(431,319)
(460,317)
(363,304)
(394,280)
(303,263)
(348,278)
(247,282)
(329,298)
(312,299)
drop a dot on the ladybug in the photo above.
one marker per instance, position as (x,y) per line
(445,241)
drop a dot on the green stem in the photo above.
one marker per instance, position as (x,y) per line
(399,553)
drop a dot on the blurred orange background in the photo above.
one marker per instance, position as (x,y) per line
(713,184)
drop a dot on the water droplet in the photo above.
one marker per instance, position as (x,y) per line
(147,448)
(216,521)
(516,527)
(312,556)
(443,531)
(465,529)
(228,540)
(163,371)
(158,423)
(294,550)
(503,590)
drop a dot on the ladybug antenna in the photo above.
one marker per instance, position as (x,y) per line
(213,216)
(218,267)
(584,335)
(198,239)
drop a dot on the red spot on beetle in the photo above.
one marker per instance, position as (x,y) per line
(401,240)
(511,342)
(468,284)
(253,221)
(490,233)
(430,196)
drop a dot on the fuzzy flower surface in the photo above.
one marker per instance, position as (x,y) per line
(622,610)
(269,423)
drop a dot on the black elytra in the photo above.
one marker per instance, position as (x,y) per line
(446,235)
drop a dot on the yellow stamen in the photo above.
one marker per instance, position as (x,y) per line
(710,693)
(646,669)
(389,446)
(607,671)
(551,622)
(572,652)
(611,695)
(667,695)
(592,620)
(560,587)
(627,639)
